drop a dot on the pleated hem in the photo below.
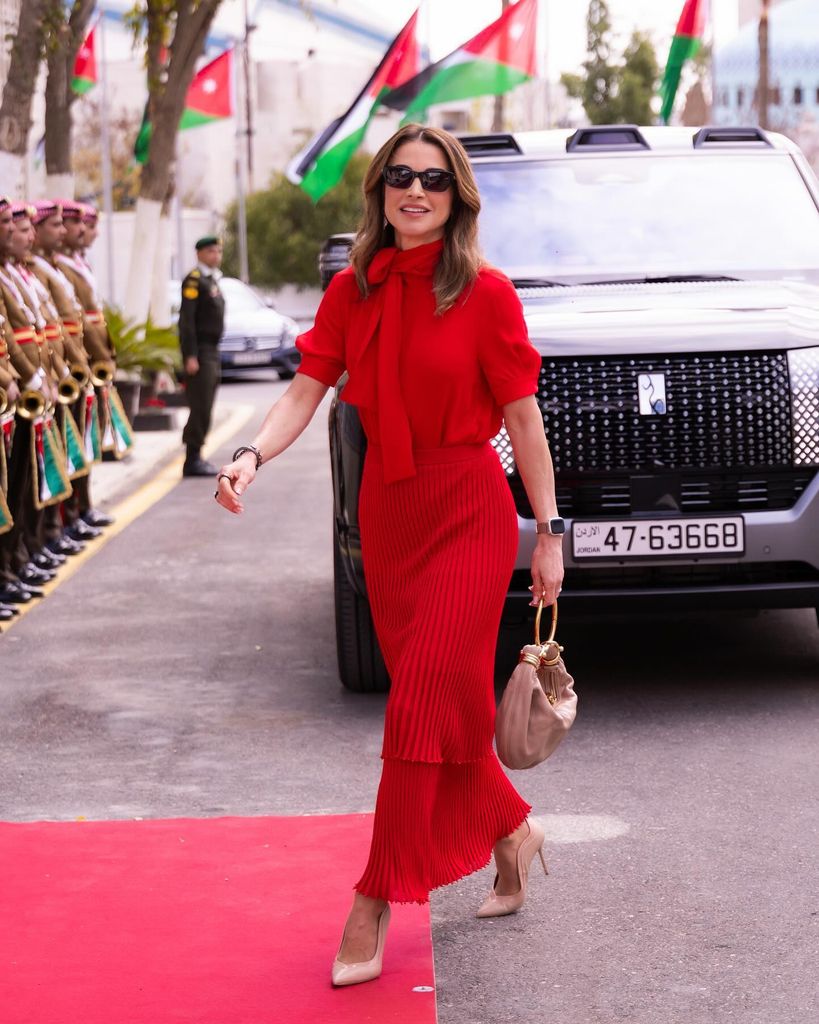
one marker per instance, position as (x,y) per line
(478,866)
(436,824)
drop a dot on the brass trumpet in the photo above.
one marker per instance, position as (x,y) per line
(80,374)
(68,391)
(30,405)
(102,373)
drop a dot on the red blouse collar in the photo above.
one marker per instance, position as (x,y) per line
(420,261)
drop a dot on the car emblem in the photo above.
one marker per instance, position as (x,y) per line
(651,392)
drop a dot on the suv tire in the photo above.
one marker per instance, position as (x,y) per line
(360,662)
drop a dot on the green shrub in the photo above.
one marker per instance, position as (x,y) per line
(285,229)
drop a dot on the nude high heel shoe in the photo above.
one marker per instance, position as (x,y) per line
(498,906)
(355,974)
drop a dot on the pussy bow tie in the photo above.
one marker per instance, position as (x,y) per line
(375,378)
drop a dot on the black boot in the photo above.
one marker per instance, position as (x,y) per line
(195,465)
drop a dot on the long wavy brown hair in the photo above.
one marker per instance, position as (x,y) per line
(461,258)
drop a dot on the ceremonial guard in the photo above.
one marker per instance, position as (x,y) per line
(201,322)
(36,466)
(81,423)
(9,393)
(46,542)
(115,430)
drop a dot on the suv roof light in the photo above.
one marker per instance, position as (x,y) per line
(489,145)
(731,135)
(609,137)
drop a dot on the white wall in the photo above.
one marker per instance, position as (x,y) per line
(195,224)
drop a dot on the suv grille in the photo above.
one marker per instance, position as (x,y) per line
(724,444)
(724,410)
(689,493)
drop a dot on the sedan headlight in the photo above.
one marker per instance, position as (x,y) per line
(803,367)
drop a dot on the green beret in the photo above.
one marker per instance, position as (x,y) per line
(203,243)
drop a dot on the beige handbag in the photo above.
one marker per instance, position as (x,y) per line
(538,705)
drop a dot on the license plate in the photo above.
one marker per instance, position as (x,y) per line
(247,358)
(651,538)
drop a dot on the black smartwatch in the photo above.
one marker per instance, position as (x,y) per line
(554,526)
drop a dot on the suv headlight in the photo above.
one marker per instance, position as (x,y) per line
(803,367)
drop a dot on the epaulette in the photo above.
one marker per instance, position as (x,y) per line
(190,286)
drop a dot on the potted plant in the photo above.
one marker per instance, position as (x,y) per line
(142,352)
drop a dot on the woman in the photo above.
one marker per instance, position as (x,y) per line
(437,353)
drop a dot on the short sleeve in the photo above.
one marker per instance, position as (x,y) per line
(322,347)
(509,361)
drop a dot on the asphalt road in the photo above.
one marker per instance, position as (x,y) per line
(681,813)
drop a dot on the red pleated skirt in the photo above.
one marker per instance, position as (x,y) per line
(438,553)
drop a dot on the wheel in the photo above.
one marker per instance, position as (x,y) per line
(361,666)
(286,374)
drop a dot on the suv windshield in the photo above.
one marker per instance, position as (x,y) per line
(573,220)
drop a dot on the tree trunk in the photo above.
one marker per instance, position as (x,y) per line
(65,43)
(160,306)
(166,103)
(15,109)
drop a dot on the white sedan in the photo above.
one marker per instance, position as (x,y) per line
(256,335)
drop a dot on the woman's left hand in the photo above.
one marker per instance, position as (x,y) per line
(547,570)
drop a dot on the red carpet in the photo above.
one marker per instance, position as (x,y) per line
(207,921)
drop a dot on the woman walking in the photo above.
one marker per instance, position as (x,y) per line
(437,353)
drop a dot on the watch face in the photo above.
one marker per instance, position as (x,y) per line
(557,526)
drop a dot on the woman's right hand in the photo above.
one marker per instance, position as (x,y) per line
(233,480)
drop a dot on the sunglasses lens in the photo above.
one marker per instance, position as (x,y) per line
(435,181)
(398,176)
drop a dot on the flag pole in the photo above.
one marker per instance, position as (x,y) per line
(241,211)
(107,186)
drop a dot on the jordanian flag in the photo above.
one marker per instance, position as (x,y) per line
(320,165)
(494,61)
(687,40)
(52,484)
(85,65)
(209,98)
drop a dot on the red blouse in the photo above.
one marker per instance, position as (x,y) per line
(455,371)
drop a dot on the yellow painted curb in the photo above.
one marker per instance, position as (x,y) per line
(136,505)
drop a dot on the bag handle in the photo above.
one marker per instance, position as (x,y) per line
(550,642)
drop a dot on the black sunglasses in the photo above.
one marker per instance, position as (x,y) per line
(432,180)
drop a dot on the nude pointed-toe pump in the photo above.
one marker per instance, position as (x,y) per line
(498,906)
(368,970)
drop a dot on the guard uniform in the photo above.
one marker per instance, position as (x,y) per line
(201,323)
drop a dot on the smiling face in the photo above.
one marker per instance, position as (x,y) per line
(418,216)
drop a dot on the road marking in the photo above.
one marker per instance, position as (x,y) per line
(136,505)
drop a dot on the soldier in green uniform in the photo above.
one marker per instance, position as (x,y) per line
(201,321)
